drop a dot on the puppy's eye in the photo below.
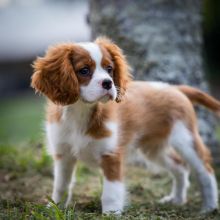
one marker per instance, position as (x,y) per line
(109,69)
(85,71)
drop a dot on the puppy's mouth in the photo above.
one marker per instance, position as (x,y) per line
(107,97)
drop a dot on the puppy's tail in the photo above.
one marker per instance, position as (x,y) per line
(196,96)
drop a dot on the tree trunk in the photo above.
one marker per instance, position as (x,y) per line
(162,40)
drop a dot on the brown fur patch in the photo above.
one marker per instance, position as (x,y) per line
(53,112)
(81,59)
(56,75)
(203,152)
(107,60)
(176,157)
(100,115)
(58,156)
(198,97)
(148,114)
(112,166)
(152,121)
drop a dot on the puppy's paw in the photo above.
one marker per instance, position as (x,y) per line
(173,200)
(112,209)
(112,212)
(209,209)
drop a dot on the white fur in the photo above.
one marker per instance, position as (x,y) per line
(182,140)
(158,85)
(93,50)
(113,196)
(69,131)
(94,91)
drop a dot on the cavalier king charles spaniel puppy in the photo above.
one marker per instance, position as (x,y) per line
(95,111)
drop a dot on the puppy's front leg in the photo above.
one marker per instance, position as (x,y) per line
(63,177)
(113,196)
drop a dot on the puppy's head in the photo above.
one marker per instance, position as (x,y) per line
(92,72)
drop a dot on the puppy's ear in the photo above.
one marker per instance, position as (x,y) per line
(121,75)
(54,75)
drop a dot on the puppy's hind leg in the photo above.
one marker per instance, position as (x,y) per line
(207,179)
(172,162)
(190,146)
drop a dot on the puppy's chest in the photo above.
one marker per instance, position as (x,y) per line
(83,146)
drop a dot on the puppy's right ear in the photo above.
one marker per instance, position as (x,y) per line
(121,75)
(54,75)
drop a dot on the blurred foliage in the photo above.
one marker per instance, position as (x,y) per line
(21,119)
(25,158)
(211,15)
(211,32)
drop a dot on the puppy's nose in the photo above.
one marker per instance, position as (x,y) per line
(107,84)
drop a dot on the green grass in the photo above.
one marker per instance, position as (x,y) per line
(218,133)
(21,119)
(26,186)
(26,177)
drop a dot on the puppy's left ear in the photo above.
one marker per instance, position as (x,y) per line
(121,75)
(54,75)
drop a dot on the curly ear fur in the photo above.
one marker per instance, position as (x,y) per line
(122,70)
(54,75)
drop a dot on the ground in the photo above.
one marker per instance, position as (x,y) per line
(26,177)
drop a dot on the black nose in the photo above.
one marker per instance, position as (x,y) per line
(106,84)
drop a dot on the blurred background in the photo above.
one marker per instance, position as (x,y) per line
(27,28)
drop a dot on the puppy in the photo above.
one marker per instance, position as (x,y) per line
(95,111)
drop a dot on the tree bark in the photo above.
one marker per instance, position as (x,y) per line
(162,40)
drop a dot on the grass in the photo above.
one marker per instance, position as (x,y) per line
(21,119)
(26,177)
(25,187)
(218,133)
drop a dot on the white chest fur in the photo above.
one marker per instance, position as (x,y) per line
(69,137)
